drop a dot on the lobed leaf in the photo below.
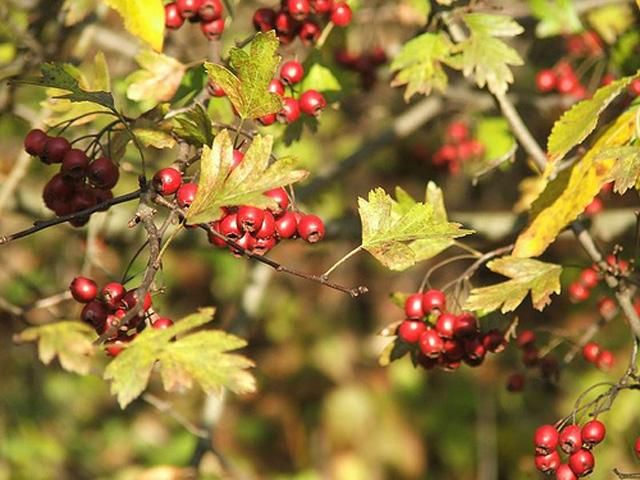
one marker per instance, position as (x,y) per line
(626,168)
(157,80)
(193,126)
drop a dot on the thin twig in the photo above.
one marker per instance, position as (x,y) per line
(166,407)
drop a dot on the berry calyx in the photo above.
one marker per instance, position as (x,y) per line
(411,330)
(83,289)
(434,300)
(291,72)
(546,439)
(186,194)
(210,10)
(570,439)
(112,294)
(281,197)
(582,462)
(167,181)
(250,218)
(549,463)
(312,102)
(311,228)
(593,432)
(431,345)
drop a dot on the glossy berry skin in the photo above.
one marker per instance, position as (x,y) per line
(281,198)
(83,289)
(267,228)
(589,278)
(161,323)
(466,325)
(35,141)
(229,227)
(593,432)
(525,338)
(250,218)
(286,225)
(112,294)
(130,301)
(452,350)
(457,132)
(103,173)
(74,164)
(413,306)
(546,80)
(186,194)
(213,29)
(57,189)
(311,228)
(215,90)
(246,242)
(94,313)
(172,17)
(298,9)
(605,360)
(341,14)
(474,348)
(264,19)
(312,103)
(215,240)
(167,181)
(263,245)
(291,72)
(290,110)
(582,462)
(210,10)
(277,87)
(268,119)
(590,352)
(445,325)
(493,341)
(55,149)
(636,447)
(434,300)
(515,382)
(546,439)
(188,8)
(564,472)
(578,292)
(570,439)
(320,7)
(431,345)
(548,463)
(309,33)
(411,330)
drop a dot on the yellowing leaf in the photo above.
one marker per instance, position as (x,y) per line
(70,341)
(611,21)
(201,357)
(247,88)
(626,169)
(159,78)
(566,197)
(419,64)
(556,17)
(246,184)
(400,233)
(542,279)
(143,18)
(575,125)
(530,188)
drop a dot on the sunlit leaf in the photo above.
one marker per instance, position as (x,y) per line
(611,21)
(143,18)
(318,77)
(626,168)
(193,126)
(159,78)
(555,17)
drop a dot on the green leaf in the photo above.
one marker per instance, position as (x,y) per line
(626,169)
(158,80)
(394,350)
(611,21)
(398,234)
(575,125)
(494,133)
(151,136)
(247,88)
(486,57)
(318,77)
(556,17)
(201,357)
(419,64)
(526,274)
(246,184)
(193,126)
(70,341)
(192,83)
(142,18)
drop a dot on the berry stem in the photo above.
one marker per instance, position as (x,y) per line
(324,35)
(353,252)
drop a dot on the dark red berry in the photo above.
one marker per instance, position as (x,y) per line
(172,17)
(167,181)
(593,432)
(130,301)
(605,360)
(311,228)
(530,356)
(548,463)
(582,462)
(431,345)
(55,149)
(434,300)
(83,289)
(546,80)
(413,306)
(445,325)
(590,352)
(515,382)
(291,72)
(494,341)
(320,7)
(57,189)
(213,29)
(103,173)
(210,10)
(341,14)
(264,19)
(286,225)
(281,198)
(285,25)
(452,350)
(188,8)
(186,194)
(526,338)
(570,439)
(82,199)
(312,102)
(298,9)
(94,313)
(474,348)
(309,33)
(250,218)
(546,439)
(578,292)
(112,294)
(276,86)
(229,227)
(35,141)
(410,330)
(466,325)
(161,323)
(214,239)
(74,164)
(267,228)
(564,472)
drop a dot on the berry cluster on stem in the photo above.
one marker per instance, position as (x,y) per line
(208,13)
(459,147)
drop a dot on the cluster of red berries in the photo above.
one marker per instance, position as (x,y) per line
(563,79)
(585,44)
(302,19)
(81,182)
(104,308)
(444,339)
(580,290)
(459,147)
(254,229)
(575,441)
(364,64)
(206,12)
(601,358)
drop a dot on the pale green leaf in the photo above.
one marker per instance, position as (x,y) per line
(70,341)
(143,18)
(626,169)
(157,80)
(526,275)
(320,78)
(399,235)
(247,88)
(611,21)
(555,17)
(154,137)
(246,184)
(419,64)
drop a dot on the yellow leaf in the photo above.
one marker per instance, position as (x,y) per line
(143,18)
(572,190)
(157,80)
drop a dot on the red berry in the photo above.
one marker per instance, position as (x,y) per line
(413,306)
(605,360)
(582,462)
(311,228)
(466,325)
(546,439)
(167,181)
(411,330)
(546,80)
(595,206)
(245,242)
(291,72)
(74,164)
(250,218)
(312,102)
(320,7)
(215,90)
(618,263)
(112,294)
(607,307)
(530,356)
(474,349)
(83,289)
(593,432)
(268,119)
(210,10)
(103,173)
(445,325)
(636,447)
(434,300)
(130,300)
(94,313)
(578,292)
(172,17)
(281,198)
(589,277)
(590,352)
(268,226)
(634,87)
(264,19)
(285,26)
(286,225)
(566,83)
(457,132)
(515,382)
(263,245)
(548,463)
(229,227)
(493,340)
(186,194)
(213,29)
(113,349)
(55,149)
(309,33)
(564,472)
(277,87)
(57,189)
(570,439)
(341,14)
(445,154)
(161,323)
(214,239)
(452,350)
(290,110)
(526,338)
(35,141)
(298,9)
(188,8)
(431,344)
